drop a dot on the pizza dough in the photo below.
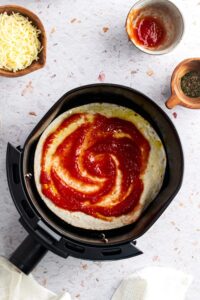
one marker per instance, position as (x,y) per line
(98,166)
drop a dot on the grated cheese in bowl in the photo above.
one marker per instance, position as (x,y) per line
(19,42)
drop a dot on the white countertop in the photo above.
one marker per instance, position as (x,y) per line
(78,51)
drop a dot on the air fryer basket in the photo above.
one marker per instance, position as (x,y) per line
(109,93)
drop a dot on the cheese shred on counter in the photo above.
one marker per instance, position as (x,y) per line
(19,43)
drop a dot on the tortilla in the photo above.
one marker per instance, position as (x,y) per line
(103,195)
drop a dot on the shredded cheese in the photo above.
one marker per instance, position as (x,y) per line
(19,42)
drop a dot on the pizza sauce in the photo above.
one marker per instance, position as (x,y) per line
(93,164)
(149,32)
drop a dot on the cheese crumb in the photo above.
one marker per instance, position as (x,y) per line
(19,43)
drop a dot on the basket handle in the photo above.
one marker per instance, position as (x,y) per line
(28,254)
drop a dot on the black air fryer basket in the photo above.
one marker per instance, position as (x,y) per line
(48,232)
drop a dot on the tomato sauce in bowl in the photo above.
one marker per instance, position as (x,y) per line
(149,32)
(155,27)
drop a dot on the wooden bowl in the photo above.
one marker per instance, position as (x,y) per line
(178,97)
(42,37)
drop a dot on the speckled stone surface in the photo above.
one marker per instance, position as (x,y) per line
(87,39)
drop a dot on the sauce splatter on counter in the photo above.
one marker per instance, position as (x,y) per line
(105,29)
(101,76)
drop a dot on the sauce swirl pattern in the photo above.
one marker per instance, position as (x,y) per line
(94,164)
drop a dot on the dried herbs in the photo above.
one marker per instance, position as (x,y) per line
(190,84)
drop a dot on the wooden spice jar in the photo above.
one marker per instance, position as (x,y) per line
(178,97)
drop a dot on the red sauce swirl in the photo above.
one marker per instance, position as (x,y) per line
(97,168)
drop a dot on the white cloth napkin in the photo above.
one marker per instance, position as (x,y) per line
(14,285)
(154,283)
